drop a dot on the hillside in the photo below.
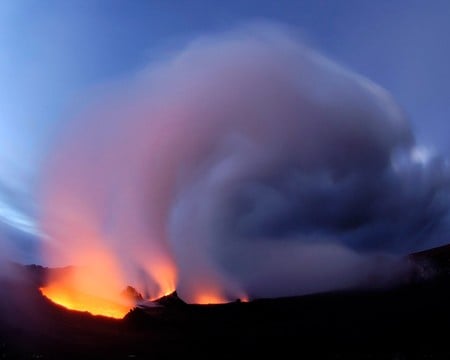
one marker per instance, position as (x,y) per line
(410,321)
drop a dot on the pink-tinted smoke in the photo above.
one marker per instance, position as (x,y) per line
(245,165)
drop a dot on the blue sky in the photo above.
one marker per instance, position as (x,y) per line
(53,53)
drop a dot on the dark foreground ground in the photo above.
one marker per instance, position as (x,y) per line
(408,322)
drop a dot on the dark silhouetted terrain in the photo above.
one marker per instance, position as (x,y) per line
(407,322)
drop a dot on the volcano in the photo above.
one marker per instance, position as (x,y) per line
(411,320)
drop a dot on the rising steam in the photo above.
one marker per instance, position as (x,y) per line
(245,165)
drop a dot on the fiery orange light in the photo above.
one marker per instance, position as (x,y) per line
(96,286)
(215,298)
(165,275)
(210,298)
(97,283)
(245,298)
(74,300)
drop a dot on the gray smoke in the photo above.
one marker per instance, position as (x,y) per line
(252,164)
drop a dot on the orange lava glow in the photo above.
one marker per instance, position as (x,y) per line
(215,298)
(210,298)
(74,300)
(165,275)
(96,286)
(97,283)
(245,299)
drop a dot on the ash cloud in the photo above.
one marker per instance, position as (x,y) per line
(251,164)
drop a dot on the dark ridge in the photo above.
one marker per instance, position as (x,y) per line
(171,300)
(411,321)
(432,264)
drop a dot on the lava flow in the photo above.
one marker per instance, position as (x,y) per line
(74,300)
(97,286)
(210,298)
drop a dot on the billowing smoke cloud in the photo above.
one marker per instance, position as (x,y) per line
(246,164)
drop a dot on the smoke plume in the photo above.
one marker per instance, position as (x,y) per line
(245,165)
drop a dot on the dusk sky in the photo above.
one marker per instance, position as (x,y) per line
(55,54)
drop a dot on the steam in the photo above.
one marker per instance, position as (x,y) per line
(245,165)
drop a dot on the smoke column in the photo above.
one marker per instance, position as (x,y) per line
(246,164)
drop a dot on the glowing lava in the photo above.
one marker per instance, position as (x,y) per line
(210,299)
(165,275)
(209,296)
(74,300)
(97,283)
(96,286)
